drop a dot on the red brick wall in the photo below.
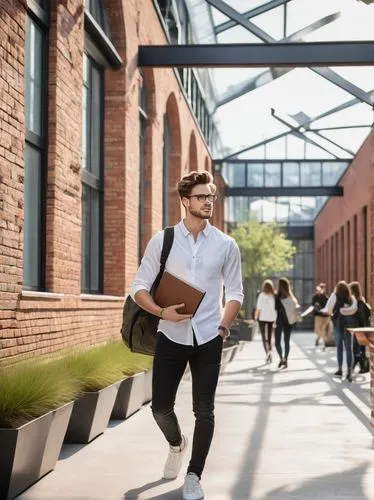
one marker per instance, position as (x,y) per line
(333,221)
(12,149)
(36,322)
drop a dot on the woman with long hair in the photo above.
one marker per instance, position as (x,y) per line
(342,306)
(286,306)
(266,315)
(363,319)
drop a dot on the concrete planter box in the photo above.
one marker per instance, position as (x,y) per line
(31,451)
(91,414)
(130,396)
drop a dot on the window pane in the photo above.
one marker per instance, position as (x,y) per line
(96,121)
(33,217)
(237,174)
(91,240)
(86,129)
(86,217)
(272,174)
(96,232)
(310,174)
(33,77)
(291,174)
(255,175)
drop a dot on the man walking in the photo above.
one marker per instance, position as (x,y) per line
(207,258)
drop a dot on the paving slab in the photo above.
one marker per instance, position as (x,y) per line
(280,435)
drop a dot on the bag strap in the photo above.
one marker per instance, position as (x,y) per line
(166,247)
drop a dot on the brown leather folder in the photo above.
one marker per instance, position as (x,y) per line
(172,291)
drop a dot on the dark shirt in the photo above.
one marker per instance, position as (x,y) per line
(319,301)
(281,312)
(363,313)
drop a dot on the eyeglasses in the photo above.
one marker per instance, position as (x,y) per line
(204,197)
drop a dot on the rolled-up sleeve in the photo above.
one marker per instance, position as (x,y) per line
(232,274)
(149,267)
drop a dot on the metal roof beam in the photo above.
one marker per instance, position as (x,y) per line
(326,73)
(296,132)
(285,191)
(250,13)
(341,107)
(299,55)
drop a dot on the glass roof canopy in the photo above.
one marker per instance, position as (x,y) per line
(288,113)
(296,96)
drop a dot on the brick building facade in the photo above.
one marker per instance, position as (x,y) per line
(343,229)
(69,202)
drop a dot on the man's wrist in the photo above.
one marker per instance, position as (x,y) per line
(224,330)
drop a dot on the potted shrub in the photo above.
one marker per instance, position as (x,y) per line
(35,407)
(136,387)
(98,377)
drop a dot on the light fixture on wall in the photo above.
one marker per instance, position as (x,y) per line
(367,1)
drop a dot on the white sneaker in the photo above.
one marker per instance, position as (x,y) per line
(175,458)
(192,489)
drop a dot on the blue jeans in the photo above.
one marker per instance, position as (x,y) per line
(342,337)
(169,364)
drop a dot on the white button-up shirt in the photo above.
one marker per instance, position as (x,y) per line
(210,263)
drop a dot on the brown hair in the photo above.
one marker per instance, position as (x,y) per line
(355,288)
(268,287)
(188,182)
(284,289)
(343,292)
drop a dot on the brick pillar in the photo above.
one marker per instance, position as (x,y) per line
(63,243)
(12,150)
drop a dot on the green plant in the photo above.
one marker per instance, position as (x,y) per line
(90,368)
(29,390)
(32,388)
(265,250)
(129,363)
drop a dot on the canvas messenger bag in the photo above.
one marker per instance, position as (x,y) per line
(139,327)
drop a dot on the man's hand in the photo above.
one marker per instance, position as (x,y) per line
(170,314)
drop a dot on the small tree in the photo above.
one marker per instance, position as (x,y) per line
(265,251)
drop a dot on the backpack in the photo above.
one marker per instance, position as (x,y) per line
(139,327)
(290,308)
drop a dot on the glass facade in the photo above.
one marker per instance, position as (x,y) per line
(179,29)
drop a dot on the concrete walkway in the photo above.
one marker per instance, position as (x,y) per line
(291,434)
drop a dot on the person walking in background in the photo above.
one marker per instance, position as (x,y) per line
(209,259)
(321,320)
(363,319)
(286,306)
(342,306)
(266,315)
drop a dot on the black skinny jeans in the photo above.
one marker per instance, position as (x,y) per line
(287,329)
(266,328)
(169,364)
